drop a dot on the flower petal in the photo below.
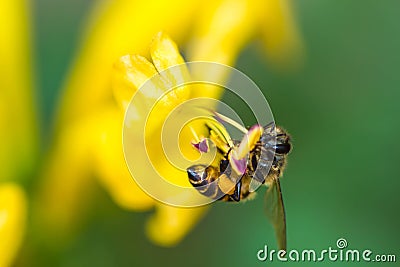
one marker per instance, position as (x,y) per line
(111,167)
(223,27)
(164,52)
(117,28)
(67,177)
(249,141)
(281,38)
(170,224)
(12,221)
(238,165)
(201,146)
(18,125)
(130,73)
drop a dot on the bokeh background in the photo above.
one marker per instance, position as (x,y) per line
(341,106)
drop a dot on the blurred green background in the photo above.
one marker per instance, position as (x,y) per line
(341,108)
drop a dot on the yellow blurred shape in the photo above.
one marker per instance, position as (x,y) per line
(18,129)
(12,221)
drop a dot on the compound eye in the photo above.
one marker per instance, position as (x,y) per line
(282,148)
(197,175)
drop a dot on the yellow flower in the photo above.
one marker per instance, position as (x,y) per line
(169,224)
(12,221)
(224,27)
(88,133)
(214,30)
(17,126)
(18,133)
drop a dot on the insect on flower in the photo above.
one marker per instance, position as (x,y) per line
(259,158)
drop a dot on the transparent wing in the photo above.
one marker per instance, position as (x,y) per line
(254,185)
(276,211)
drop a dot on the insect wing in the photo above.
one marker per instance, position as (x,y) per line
(276,212)
(254,185)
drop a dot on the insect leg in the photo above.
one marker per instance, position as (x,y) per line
(236,194)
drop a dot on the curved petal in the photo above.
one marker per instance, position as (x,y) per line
(118,28)
(67,179)
(170,224)
(18,126)
(111,167)
(129,74)
(279,32)
(12,221)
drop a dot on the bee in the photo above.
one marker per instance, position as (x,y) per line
(260,158)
